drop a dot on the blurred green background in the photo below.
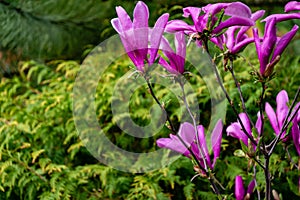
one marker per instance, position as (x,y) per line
(42,45)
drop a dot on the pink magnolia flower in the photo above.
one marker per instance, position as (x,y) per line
(235,37)
(239,190)
(270,47)
(176,60)
(277,119)
(136,35)
(290,6)
(235,129)
(205,20)
(188,135)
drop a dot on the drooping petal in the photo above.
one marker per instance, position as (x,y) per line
(235,130)
(216,140)
(273,118)
(282,17)
(239,190)
(178,25)
(172,143)
(212,9)
(194,12)
(255,16)
(238,9)
(292,5)
(239,46)
(284,41)
(233,21)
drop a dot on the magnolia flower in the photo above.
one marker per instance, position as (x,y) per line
(277,119)
(236,38)
(176,60)
(239,190)
(235,129)
(270,47)
(207,22)
(136,35)
(188,135)
(290,6)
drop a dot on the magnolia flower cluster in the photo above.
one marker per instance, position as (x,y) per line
(227,25)
(230,35)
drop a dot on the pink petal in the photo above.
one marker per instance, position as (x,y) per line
(235,130)
(238,9)
(239,190)
(273,118)
(292,5)
(216,140)
(284,41)
(203,146)
(282,109)
(124,19)
(233,21)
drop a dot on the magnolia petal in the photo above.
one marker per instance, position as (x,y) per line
(238,9)
(292,5)
(258,124)
(259,50)
(296,135)
(216,140)
(282,17)
(194,12)
(284,41)
(172,143)
(251,187)
(282,109)
(239,190)
(273,118)
(187,133)
(212,9)
(156,35)
(235,130)
(233,21)
(246,122)
(239,46)
(140,25)
(178,25)
(124,18)
(203,146)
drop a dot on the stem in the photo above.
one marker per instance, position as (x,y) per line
(171,125)
(231,102)
(211,180)
(286,122)
(237,84)
(267,177)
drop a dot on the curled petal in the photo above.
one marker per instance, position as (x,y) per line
(235,130)
(292,5)
(174,144)
(238,9)
(284,41)
(258,124)
(233,21)
(194,12)
(282,17)
(178,25)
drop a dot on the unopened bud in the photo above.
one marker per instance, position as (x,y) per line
(270,67)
